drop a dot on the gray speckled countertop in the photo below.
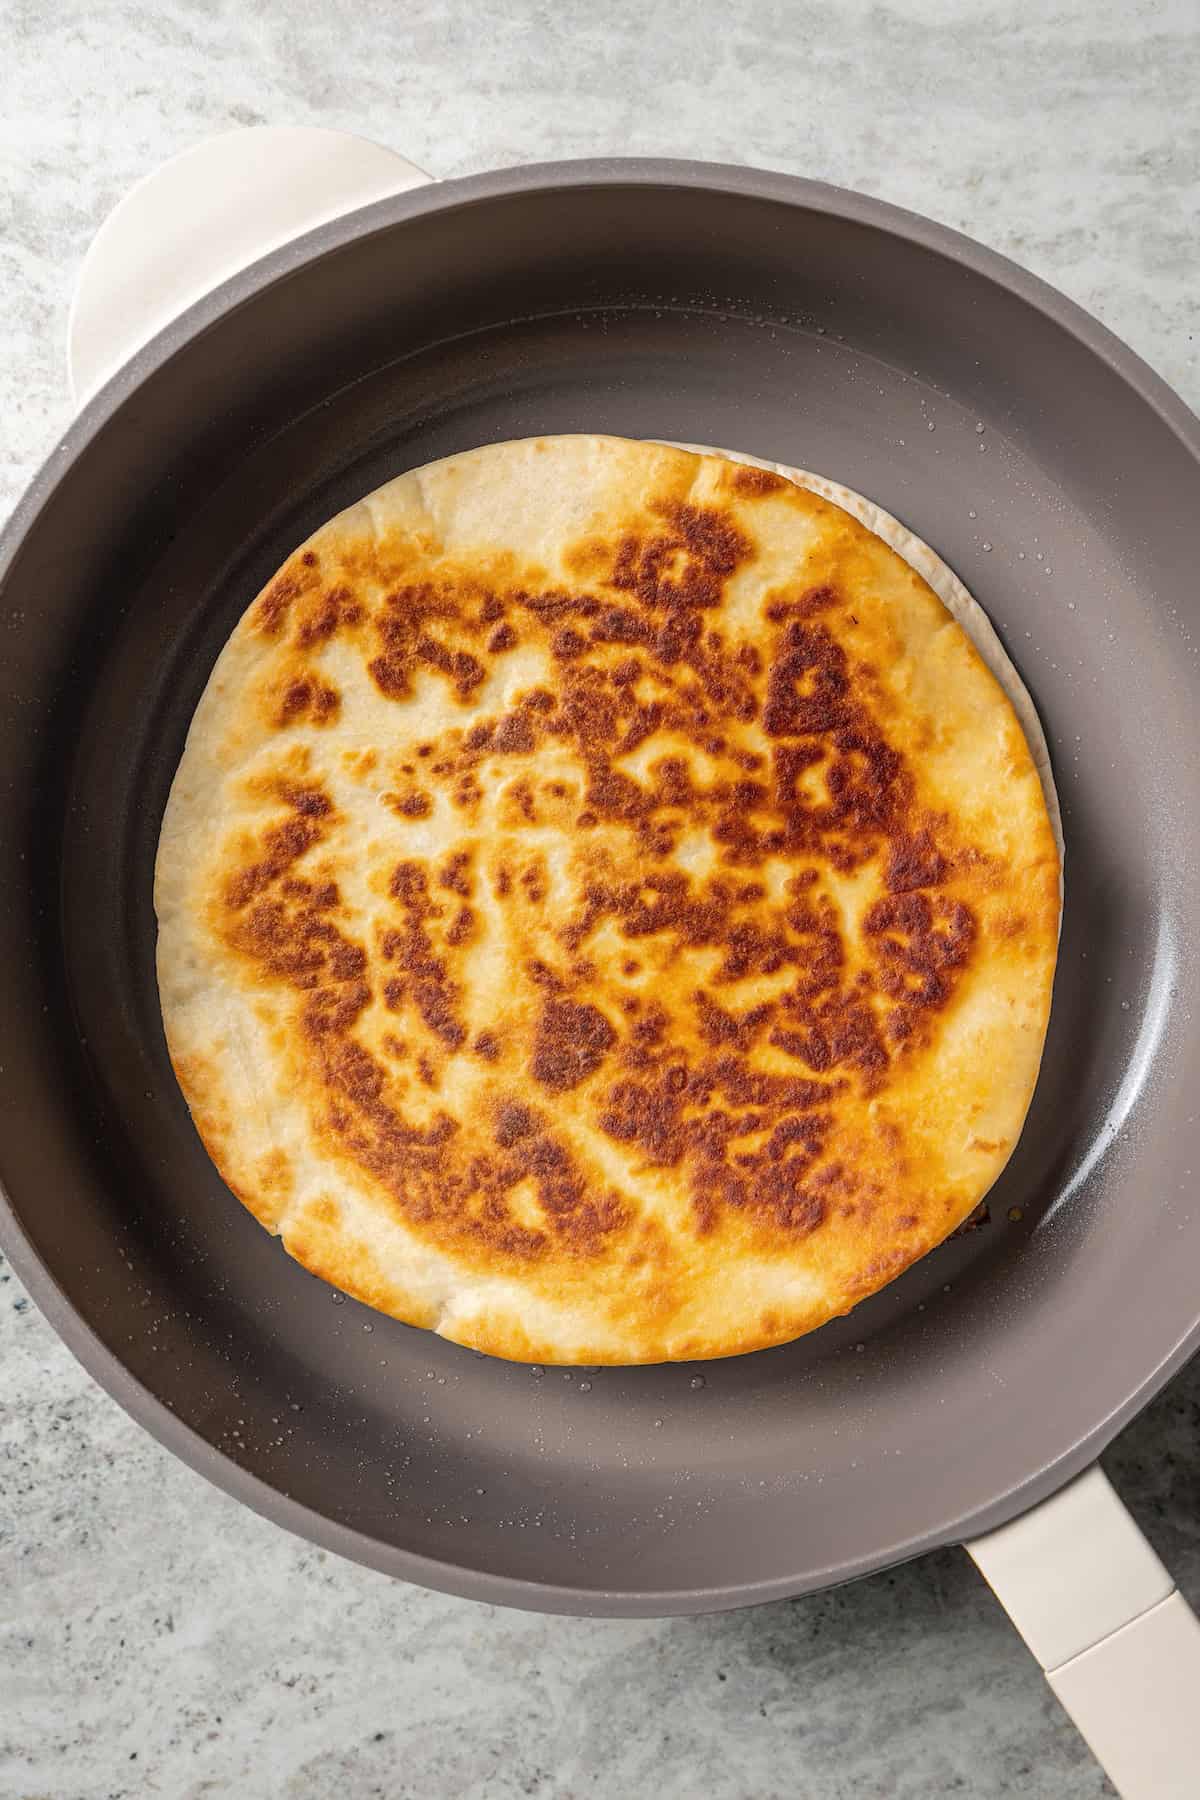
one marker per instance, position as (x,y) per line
(154,1637)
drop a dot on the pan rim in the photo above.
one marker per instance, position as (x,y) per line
(103,1364)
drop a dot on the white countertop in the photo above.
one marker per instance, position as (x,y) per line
(155,1638)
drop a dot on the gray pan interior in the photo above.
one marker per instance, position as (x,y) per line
(763,313)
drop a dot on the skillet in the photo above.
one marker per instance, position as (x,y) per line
(1060,478)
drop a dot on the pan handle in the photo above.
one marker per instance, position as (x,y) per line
(204,215)
(1120,1647)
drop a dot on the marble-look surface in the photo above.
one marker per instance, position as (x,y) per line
(154,1637)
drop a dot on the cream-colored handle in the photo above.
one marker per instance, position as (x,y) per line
(202,217)
(1120,1647)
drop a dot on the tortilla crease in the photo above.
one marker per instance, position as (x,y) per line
(607,908)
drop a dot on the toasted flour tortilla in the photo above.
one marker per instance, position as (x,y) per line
(607,906)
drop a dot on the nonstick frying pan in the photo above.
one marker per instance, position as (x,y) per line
(1054,472)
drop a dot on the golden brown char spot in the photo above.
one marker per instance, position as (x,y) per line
(753,482)
(567,644)
(588,558)
(534,884)
(513,1122)
(435,995)
(914,862)
(283,845)
(513,735)
(360,763)
(570,1043)
(272,610)
(332,611)
(685,564)
(806,605)
(306,798)
(274,1174)
(455,874)
(462,927)
(1009,924)
(412,806)
(306,698)
(922,944)
(463,669)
